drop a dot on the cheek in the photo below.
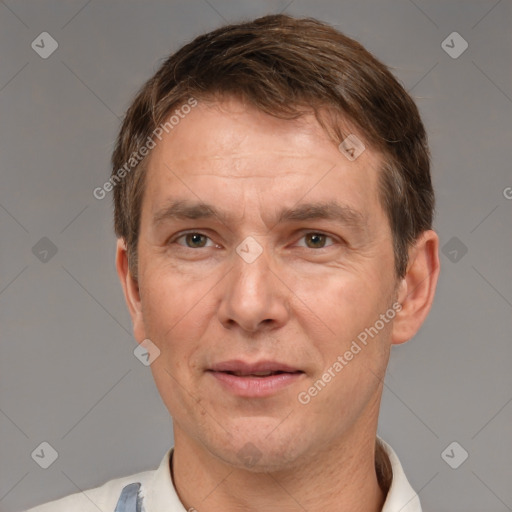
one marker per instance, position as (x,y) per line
(349,307)
(343,302)
(170,298)
(353,352)
(175,314)
(174,319)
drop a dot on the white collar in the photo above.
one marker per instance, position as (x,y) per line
(161,494)
(401,496)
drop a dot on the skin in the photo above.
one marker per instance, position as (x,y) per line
(301,302)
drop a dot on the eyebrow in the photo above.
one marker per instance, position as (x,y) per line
(332,211)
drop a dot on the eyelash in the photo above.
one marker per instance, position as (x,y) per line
(185,233)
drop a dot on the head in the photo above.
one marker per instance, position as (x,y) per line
(247,232)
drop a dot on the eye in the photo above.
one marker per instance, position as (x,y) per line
(315,240)
(193,240)
(196,240)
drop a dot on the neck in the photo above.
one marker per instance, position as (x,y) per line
(337,479)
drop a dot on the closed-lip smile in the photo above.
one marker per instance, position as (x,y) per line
(252,380)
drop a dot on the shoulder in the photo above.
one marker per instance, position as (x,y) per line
(103,498)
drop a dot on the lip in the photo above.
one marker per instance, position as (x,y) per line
(239,366)
(250,386)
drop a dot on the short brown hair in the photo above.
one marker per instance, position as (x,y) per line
(286,67)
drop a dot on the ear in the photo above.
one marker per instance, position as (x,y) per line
(417,288)
(130,290)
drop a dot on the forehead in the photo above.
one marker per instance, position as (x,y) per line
(232,150)
(229,127)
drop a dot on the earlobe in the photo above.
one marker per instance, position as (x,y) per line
(417,289)
(130,289)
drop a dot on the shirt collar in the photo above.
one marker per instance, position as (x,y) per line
(161,494)
(401,496)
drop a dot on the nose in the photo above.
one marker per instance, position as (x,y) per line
(254,296)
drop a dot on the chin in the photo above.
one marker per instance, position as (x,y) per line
(250,458)
(258,448)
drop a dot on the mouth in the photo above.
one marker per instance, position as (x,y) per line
(252,380)
(257,374)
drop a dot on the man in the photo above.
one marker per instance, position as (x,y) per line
(273,206)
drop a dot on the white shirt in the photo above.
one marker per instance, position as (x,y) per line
(159,495)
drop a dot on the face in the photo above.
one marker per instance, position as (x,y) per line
(254,298)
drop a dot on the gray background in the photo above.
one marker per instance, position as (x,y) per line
(67,369)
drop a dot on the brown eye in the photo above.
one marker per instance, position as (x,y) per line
(315,240)
(193,240)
